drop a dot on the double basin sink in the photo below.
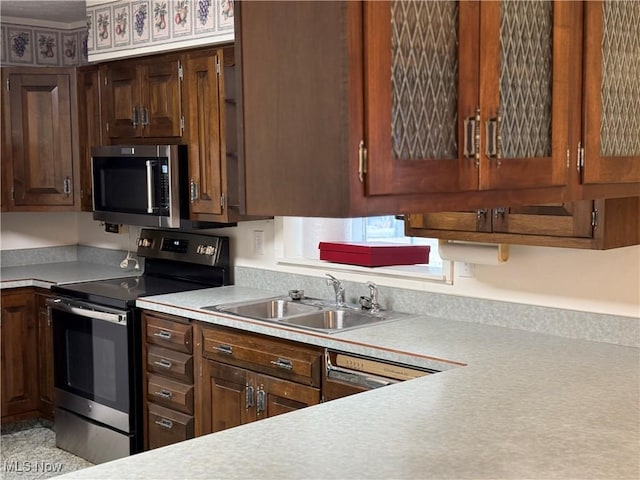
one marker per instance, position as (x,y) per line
(308,313)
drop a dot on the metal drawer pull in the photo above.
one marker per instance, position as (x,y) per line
(261,400)
(165,394)
(248,397)
(163,334)
(228,349)
(164,423)
(164,363)
(282,363)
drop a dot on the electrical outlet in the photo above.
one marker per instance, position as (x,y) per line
(258,242)
(466,269)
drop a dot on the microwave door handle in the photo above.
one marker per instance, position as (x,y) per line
(150,205)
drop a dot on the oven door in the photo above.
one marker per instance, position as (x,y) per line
(91,361)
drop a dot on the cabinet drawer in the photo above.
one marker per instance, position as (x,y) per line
(169,393)
(169,363)
(296,362)
(167,426)
(169,334)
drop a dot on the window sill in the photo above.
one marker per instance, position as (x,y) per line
(407,272)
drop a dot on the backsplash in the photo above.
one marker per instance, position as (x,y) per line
(595,327)
(67,253)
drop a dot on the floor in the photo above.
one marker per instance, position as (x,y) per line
(28,451)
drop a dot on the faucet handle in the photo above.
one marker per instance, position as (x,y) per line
(331,280)
(373,295)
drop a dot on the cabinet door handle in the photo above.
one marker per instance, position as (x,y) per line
(164,363)
(493,138)
(135,119)
(248,397)
(165,335)
(282,363)
(193,188)
(165,394)
(145,116)
(66,186)
(261,400)
(165,423)
(228,349)
(471,137)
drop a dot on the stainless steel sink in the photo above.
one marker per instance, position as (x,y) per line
(334,319)
(272,309)
(308,313)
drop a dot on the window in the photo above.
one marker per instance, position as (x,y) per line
(298,240)
(390,228)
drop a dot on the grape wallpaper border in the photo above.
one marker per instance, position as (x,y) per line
(118,28)
(42,47)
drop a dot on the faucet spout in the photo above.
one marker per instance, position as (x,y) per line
(338,289)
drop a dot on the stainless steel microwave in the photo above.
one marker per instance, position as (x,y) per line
(142,185)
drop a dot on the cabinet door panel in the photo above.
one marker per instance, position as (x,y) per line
(431,50)
(45,358)
(19,354)
(558,220)
(283,396)
(227,396)
(526,61)
(89,128)
(41,139)
(464,221)
(612,92)
(160,83)
(122,96)
(203,132)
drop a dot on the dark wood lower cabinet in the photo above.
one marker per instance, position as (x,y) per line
(166,426)
(233,396)
(19,334)
(243,377)
(45,358)
(27,355)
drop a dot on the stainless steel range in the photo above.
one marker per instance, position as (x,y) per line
(97,341)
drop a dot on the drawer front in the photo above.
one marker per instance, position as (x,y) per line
(263,354)
(169,393)
(169,334)
(172,364)
(167,426)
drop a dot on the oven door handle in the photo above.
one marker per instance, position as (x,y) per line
(88,310)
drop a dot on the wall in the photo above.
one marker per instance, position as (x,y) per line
(606,282)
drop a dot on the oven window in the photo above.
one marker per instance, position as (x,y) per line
(91,359)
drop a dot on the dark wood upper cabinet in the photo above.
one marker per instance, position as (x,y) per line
(90,127)
(361,108)
(40,168)
(611,130)
(142,98)
(477,97)
(592,224)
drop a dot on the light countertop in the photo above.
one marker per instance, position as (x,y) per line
(508,404)
(46,274)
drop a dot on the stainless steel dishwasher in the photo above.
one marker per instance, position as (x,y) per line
(347,373)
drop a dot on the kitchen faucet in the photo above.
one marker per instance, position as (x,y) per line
(337,288)
(373,294)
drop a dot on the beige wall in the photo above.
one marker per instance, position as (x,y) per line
(595,281)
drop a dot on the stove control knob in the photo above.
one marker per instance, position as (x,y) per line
(144,242)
